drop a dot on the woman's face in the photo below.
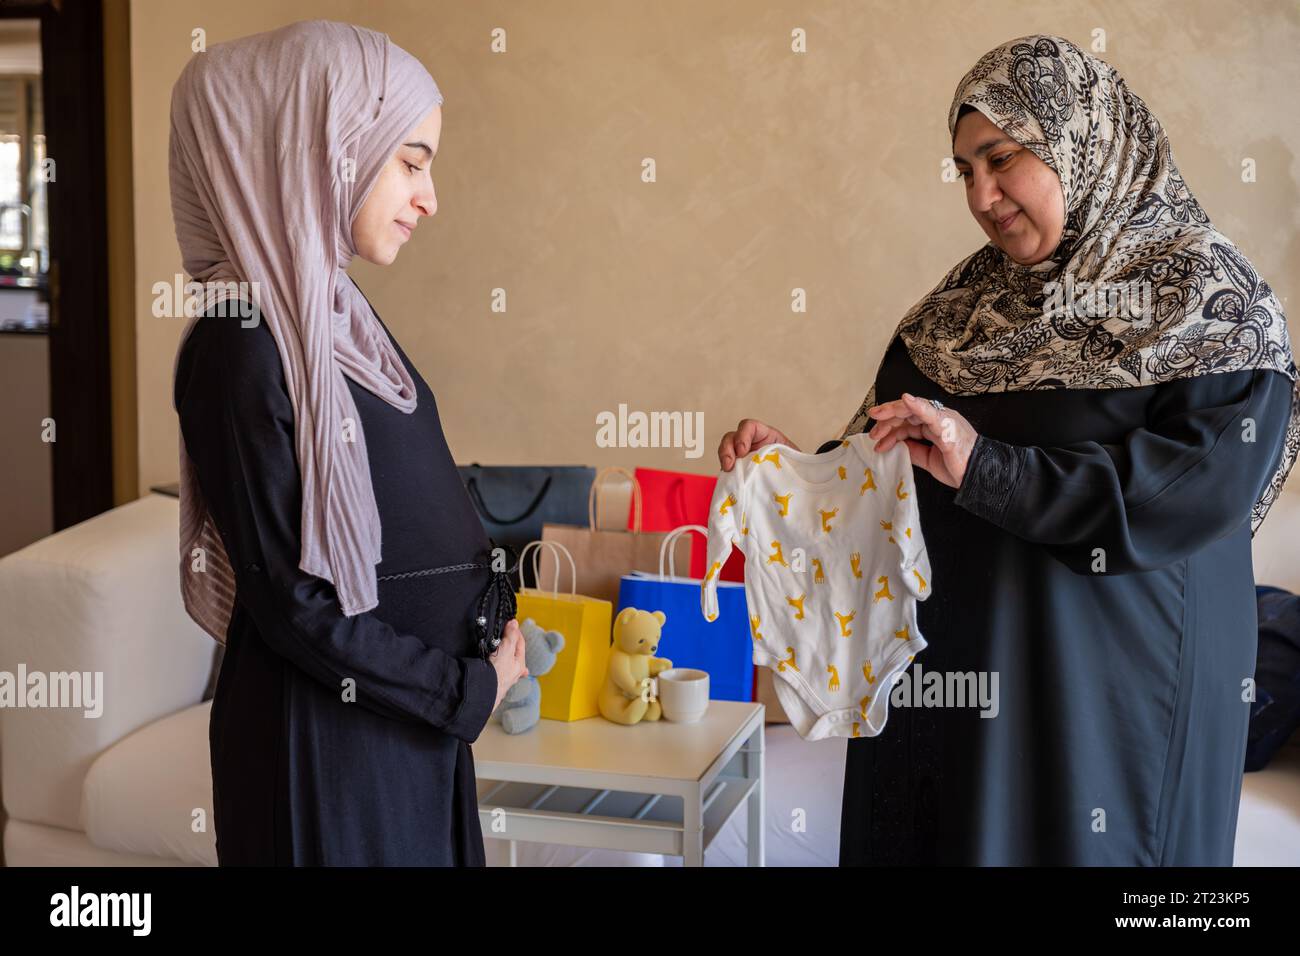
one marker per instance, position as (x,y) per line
(1014,196)
(402,194)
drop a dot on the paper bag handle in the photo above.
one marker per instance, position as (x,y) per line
(593,498)
(556,548)
(671,556)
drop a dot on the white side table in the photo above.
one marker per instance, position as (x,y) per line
(657,787)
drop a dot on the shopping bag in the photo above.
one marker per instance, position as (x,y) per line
(676,498)
(604,556)
(571,688)
(723,648)
(514,501)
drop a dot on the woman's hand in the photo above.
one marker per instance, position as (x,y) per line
(508,660)
(914,418)
(749,435)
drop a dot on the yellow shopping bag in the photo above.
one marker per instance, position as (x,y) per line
(569,689)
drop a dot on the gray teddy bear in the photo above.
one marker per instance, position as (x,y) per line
(521,708)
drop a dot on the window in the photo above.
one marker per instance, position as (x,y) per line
(24,243)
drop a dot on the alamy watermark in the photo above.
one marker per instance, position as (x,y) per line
(184,300)
(56,689)
(624,429)
(1131,300)
(132,910)
(913,688)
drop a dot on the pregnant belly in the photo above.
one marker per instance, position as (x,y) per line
(438,608)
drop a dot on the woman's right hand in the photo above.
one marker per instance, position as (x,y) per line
(508,660)
(749,435)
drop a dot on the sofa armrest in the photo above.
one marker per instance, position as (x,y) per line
(100,600)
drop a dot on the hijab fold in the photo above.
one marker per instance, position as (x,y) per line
(994,325)
(276,141)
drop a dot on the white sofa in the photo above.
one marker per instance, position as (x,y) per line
(132,787)
(120,788)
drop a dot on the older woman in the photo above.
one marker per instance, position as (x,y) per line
(1091,469)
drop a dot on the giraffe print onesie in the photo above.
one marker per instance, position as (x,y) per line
(834,565)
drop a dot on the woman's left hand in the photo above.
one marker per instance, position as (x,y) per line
(910,418)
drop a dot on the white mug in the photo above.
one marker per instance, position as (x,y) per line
(684,694)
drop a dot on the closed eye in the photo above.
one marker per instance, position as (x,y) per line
(411,166)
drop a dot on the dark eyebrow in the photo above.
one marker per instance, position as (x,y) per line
(983,148)
(421,144)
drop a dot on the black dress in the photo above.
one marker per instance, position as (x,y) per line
(1120,733)
(299,774)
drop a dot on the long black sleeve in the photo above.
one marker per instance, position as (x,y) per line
(1188,478)
(238,424)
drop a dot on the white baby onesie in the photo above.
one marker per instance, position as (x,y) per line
(834,565)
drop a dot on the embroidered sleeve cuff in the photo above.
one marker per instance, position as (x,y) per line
(992,473)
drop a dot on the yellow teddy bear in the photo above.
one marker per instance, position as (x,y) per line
(626,698)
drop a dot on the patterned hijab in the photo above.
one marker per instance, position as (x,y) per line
(991,326)
(276,141)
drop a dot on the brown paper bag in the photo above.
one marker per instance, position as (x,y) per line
(765,694)
(604,556)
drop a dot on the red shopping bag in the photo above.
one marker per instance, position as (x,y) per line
(671,499)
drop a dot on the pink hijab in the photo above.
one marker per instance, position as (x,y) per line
(276,140)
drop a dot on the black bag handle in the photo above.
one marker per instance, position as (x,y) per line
(472,485)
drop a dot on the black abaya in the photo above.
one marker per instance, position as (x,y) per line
(300,774)
(1121,731)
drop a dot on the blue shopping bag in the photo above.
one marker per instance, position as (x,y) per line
(723,648)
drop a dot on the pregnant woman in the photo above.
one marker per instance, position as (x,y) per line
(326,538)
(1089,478)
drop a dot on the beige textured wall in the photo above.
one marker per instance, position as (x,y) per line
(27,504)
(775,170)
